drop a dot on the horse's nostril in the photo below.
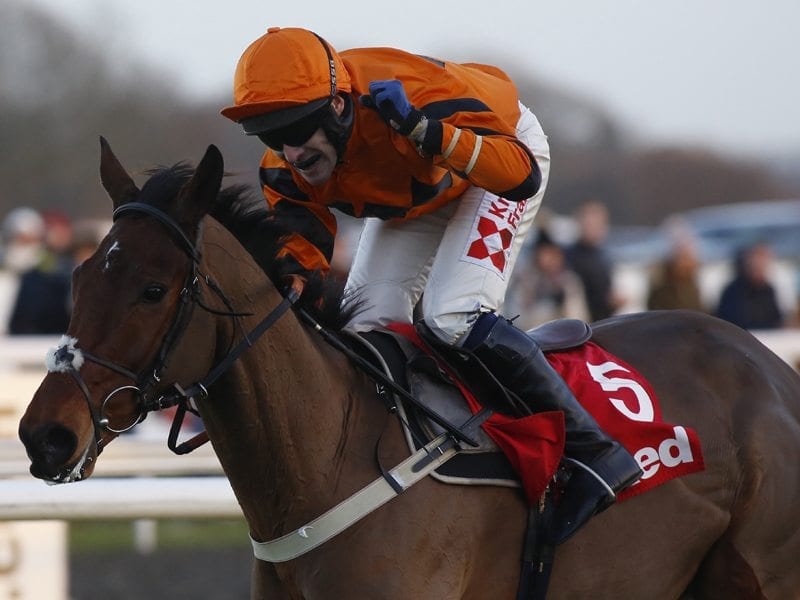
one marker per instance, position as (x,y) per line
(50,446)
(60,443)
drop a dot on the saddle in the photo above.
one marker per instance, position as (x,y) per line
(540,470)
(421,375)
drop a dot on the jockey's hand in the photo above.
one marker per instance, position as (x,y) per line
(389,98)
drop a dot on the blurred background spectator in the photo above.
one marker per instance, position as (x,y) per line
(543,288)
(42,304)
(86,238)
(23,239)
(42,301)
(22,246)
(587,257)
(58,239)
(675,282)
(749,299)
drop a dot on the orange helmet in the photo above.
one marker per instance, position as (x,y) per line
(283,76)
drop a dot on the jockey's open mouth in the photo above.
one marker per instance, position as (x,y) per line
(308,163)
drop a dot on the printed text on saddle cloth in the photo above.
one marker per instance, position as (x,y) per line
(626,407)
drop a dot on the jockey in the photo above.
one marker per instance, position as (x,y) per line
(453,166)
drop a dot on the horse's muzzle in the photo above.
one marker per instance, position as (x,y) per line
(50,448)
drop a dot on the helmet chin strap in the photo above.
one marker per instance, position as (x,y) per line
(331,64)
(338,128)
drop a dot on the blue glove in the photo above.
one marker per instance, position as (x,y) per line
(389,98)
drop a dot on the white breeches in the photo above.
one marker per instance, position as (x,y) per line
(460,256)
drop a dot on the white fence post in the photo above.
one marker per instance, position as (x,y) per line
(33,554)
(33,560)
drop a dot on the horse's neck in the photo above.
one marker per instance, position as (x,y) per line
(285,443)
(284,417)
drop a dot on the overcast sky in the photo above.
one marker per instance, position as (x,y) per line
(717,73)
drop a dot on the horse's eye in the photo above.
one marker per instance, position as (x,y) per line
(154,293)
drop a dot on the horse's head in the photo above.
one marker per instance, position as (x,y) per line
(132,301)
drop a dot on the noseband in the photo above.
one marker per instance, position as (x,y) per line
(146,382)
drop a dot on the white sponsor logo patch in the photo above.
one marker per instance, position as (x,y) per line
(493,231)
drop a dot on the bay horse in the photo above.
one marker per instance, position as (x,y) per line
(294,423)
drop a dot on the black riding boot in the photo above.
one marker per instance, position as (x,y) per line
(605,468)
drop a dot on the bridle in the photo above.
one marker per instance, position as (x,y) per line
(147,382)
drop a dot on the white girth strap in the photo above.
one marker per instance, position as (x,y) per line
(357,506)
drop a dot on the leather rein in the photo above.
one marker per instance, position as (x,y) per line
(146,382)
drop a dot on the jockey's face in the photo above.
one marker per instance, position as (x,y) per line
(314,160)
(309,152)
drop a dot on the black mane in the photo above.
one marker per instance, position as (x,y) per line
(254,225)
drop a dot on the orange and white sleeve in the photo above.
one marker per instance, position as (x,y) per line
(494,161)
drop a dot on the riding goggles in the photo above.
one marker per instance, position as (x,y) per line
(295,134)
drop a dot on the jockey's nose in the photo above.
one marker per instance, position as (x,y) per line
(292,153)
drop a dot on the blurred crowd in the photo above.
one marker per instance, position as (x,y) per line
(552,279)
(39,251)
(576,279)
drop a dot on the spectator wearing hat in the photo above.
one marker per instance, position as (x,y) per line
(22,246)
(43,301)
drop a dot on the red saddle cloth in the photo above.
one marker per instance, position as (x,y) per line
(621,401)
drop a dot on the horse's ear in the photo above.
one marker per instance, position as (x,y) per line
(199,194)
(115,179)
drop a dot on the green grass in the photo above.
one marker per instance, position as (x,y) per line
(99,536)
